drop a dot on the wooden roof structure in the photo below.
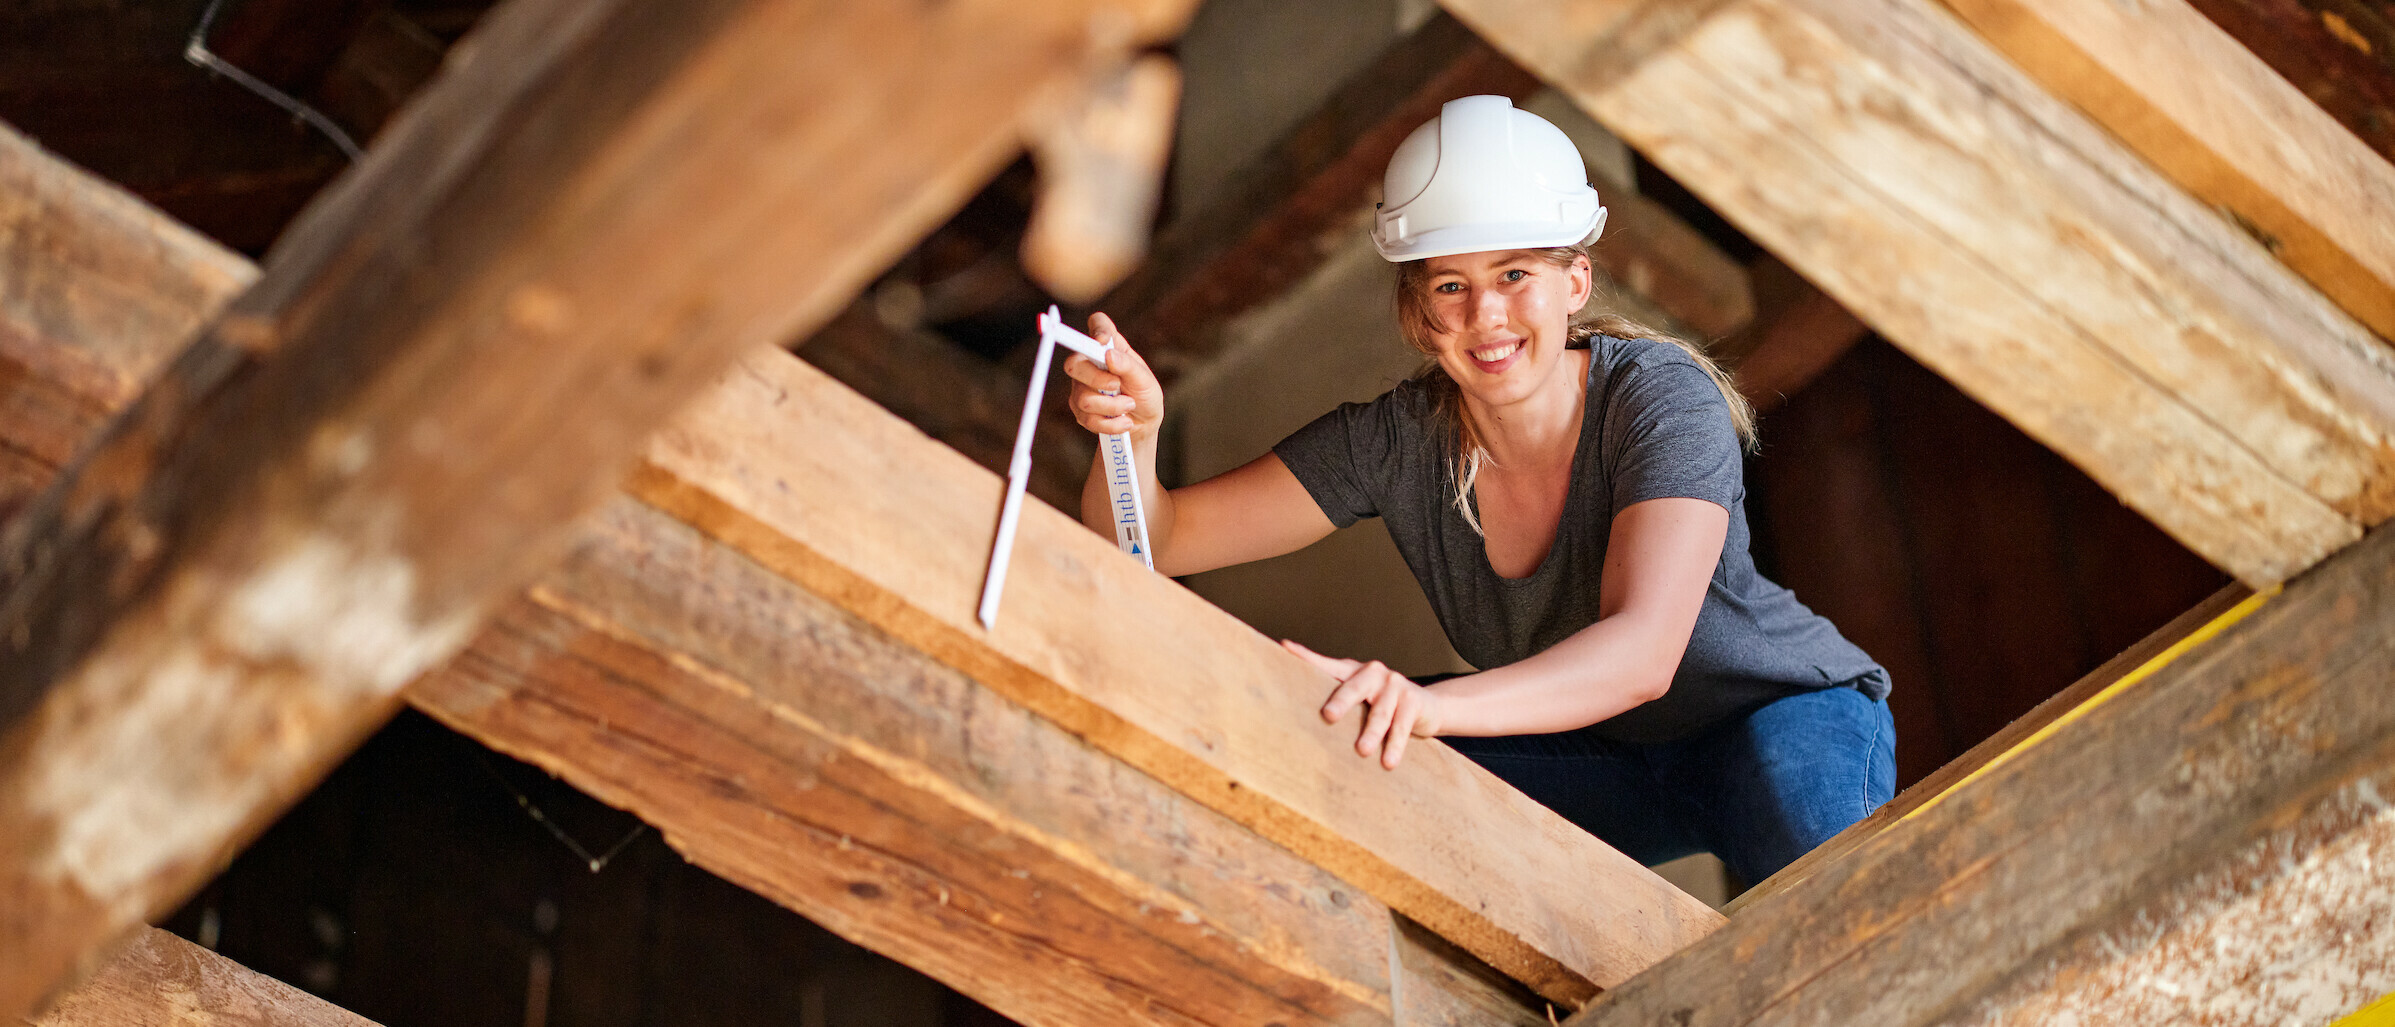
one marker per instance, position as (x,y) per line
(503,429)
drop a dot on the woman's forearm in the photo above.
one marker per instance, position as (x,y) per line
(1602,670)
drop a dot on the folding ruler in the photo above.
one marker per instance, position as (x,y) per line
(1122,473)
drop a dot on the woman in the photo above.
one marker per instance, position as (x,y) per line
(1570,499)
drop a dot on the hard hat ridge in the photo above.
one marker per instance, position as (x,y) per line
(1484,176)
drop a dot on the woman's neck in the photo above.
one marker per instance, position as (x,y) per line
(1541,428)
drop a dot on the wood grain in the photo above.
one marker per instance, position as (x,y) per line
(790,747)
(158,980)
(1890,155)
(96,292)
(452,354)
(811,480)
(2210,829)
(2237,135)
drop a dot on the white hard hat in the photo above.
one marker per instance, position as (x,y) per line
(1484,176)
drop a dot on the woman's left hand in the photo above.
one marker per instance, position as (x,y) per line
(1399,709)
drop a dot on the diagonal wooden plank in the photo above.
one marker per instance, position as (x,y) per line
(815,482)
(450,356)
(761,727)
(2235,135)
(157,978)
(1997,235)
(2209,843)
(791,748)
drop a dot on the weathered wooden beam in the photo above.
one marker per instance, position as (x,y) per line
(789,467)
(2237,136)
(157,978)
(2159,645)
(2210,841)
(449,357)
(2004,240)
(792,748)
(2338,53)
(758,725)
(96,289)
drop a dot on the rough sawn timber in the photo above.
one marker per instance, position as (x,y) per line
(2221,123)
(2212,845)
(452,354)
(815,482)
(676,678)
(786,745)
(96,290)
(158,980)
(1889,154)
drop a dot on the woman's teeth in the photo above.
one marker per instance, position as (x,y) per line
(1492,354)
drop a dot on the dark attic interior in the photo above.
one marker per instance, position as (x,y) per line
(492,498)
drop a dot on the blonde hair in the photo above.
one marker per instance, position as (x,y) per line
(1418,324)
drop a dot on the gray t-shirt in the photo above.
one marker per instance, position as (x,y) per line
(1655,427)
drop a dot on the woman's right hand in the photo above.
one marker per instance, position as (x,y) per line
(1138,407)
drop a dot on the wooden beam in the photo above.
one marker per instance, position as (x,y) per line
(2211,839)
(790,747)
(1890,155)
(790,468)
(2336,52)
(96,290)
(157,978)
(2237,136)
(450,357)
(760,726)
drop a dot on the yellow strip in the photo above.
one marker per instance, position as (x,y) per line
(2144,670)
(2377,1014)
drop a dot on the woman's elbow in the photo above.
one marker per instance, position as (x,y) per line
(1651,686)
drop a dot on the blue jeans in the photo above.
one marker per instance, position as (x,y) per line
(1757,791)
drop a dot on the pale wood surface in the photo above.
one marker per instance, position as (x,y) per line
(814,482)
(2205,846)
(2221,123)
(158,980)
(800,752)
(2007,242)
(452,354)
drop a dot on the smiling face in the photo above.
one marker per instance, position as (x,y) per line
(1498,321)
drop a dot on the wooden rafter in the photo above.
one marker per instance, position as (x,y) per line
(787,466)
(2007,242)
(660,664)
(786,745)
(157,978)
(2236,135)
(450,356)
(2219,826)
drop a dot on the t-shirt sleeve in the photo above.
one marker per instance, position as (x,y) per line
(1333,455)
(1673,438)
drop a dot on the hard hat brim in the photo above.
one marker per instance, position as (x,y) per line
(1444,242)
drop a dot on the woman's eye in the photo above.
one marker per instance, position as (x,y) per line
(1516,275)
(1448,287)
